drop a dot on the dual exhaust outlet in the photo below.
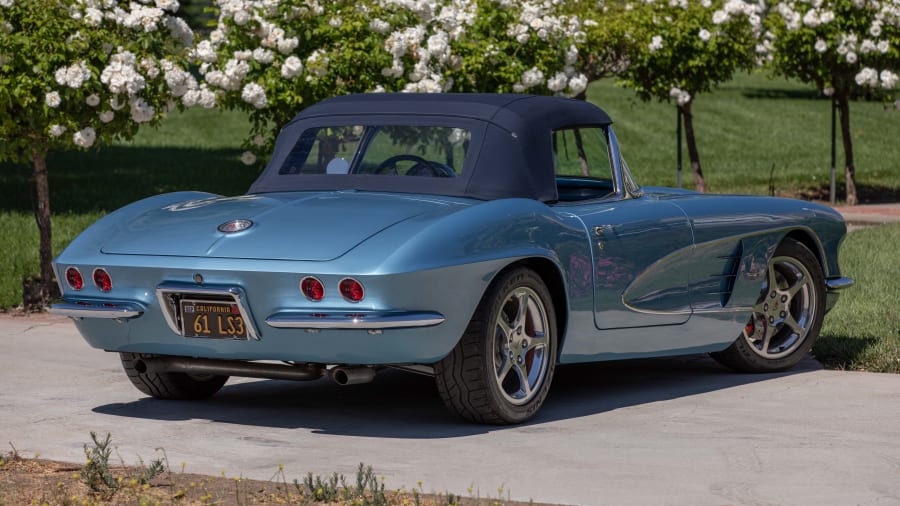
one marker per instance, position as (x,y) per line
(342,375)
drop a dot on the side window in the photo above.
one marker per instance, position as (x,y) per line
(582,152)
(582,165)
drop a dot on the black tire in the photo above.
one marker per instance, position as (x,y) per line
(512,334)
(788,316)
(169,385)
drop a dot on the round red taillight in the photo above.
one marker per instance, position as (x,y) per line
(102,280)
(312,288)
(351,289)
(74,279)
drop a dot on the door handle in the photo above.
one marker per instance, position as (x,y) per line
(601,230)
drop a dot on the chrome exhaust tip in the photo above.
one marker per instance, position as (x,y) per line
(351,375)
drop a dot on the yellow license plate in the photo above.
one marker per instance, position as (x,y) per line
(215,320)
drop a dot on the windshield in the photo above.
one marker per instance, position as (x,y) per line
(398,150)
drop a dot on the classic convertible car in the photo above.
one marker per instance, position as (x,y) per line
(482,239)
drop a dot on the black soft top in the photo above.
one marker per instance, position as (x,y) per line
(510,153)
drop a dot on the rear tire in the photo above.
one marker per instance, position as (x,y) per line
(169,385)
(788,316)
(502,367)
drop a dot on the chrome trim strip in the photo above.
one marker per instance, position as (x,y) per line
(110,310)
(838,283)
(320,320)
(191,290)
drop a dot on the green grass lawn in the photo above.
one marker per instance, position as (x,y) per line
(863,331)
(752,133)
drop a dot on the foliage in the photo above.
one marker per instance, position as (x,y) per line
(843,47)
(74,73)
(368,490)
(840,46)
(83,72)
(272,60)
(684,48)
(97,473)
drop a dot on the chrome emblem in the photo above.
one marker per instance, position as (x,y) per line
(230,227)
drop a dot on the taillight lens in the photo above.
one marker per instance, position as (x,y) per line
(102,280)
(312,288)
(352,290)
(74,279)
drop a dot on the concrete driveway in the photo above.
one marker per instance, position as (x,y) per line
(676,431)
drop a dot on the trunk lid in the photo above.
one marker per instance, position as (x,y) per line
(307,226)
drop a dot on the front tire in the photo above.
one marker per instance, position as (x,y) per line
(788,316)
(169,385)
(502,367)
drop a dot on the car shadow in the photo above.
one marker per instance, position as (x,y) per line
(404,405)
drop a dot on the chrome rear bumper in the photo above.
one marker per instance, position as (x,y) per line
(366,321)
(103,310)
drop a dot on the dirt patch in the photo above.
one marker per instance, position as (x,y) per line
(36,481)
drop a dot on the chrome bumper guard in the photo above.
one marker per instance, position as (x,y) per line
(838,284)
(108,310)
(354,321)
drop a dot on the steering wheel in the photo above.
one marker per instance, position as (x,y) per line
(390,166)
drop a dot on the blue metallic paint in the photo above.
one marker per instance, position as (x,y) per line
(666,272)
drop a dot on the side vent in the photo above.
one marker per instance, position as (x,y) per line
(729,274)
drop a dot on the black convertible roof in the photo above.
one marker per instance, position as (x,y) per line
(511,136)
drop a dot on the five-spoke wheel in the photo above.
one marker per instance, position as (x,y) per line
(786,319)
(501,369)
(520,346)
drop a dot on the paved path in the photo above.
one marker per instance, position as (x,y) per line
(677,431)
(871,214)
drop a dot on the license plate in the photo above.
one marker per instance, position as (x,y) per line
(215,320)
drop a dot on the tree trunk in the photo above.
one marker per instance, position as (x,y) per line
(42,216)
(582,157)
(843,101)
(693,154)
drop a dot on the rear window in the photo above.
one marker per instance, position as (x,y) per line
(386,150)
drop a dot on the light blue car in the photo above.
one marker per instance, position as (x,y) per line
(479,238)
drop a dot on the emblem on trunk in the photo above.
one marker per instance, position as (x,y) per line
(230,227)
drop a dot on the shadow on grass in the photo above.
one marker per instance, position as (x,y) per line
(402,405)
(842,352)
(783,93)
(868,194)
(118,175)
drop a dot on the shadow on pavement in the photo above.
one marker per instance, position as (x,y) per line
(404,405)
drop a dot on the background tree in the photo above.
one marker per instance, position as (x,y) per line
(74,74)
(844,48)
(272,60)
(683,48)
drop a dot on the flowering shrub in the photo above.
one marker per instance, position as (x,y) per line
(75,73)
(683,48)
(272,59)
(842,47)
